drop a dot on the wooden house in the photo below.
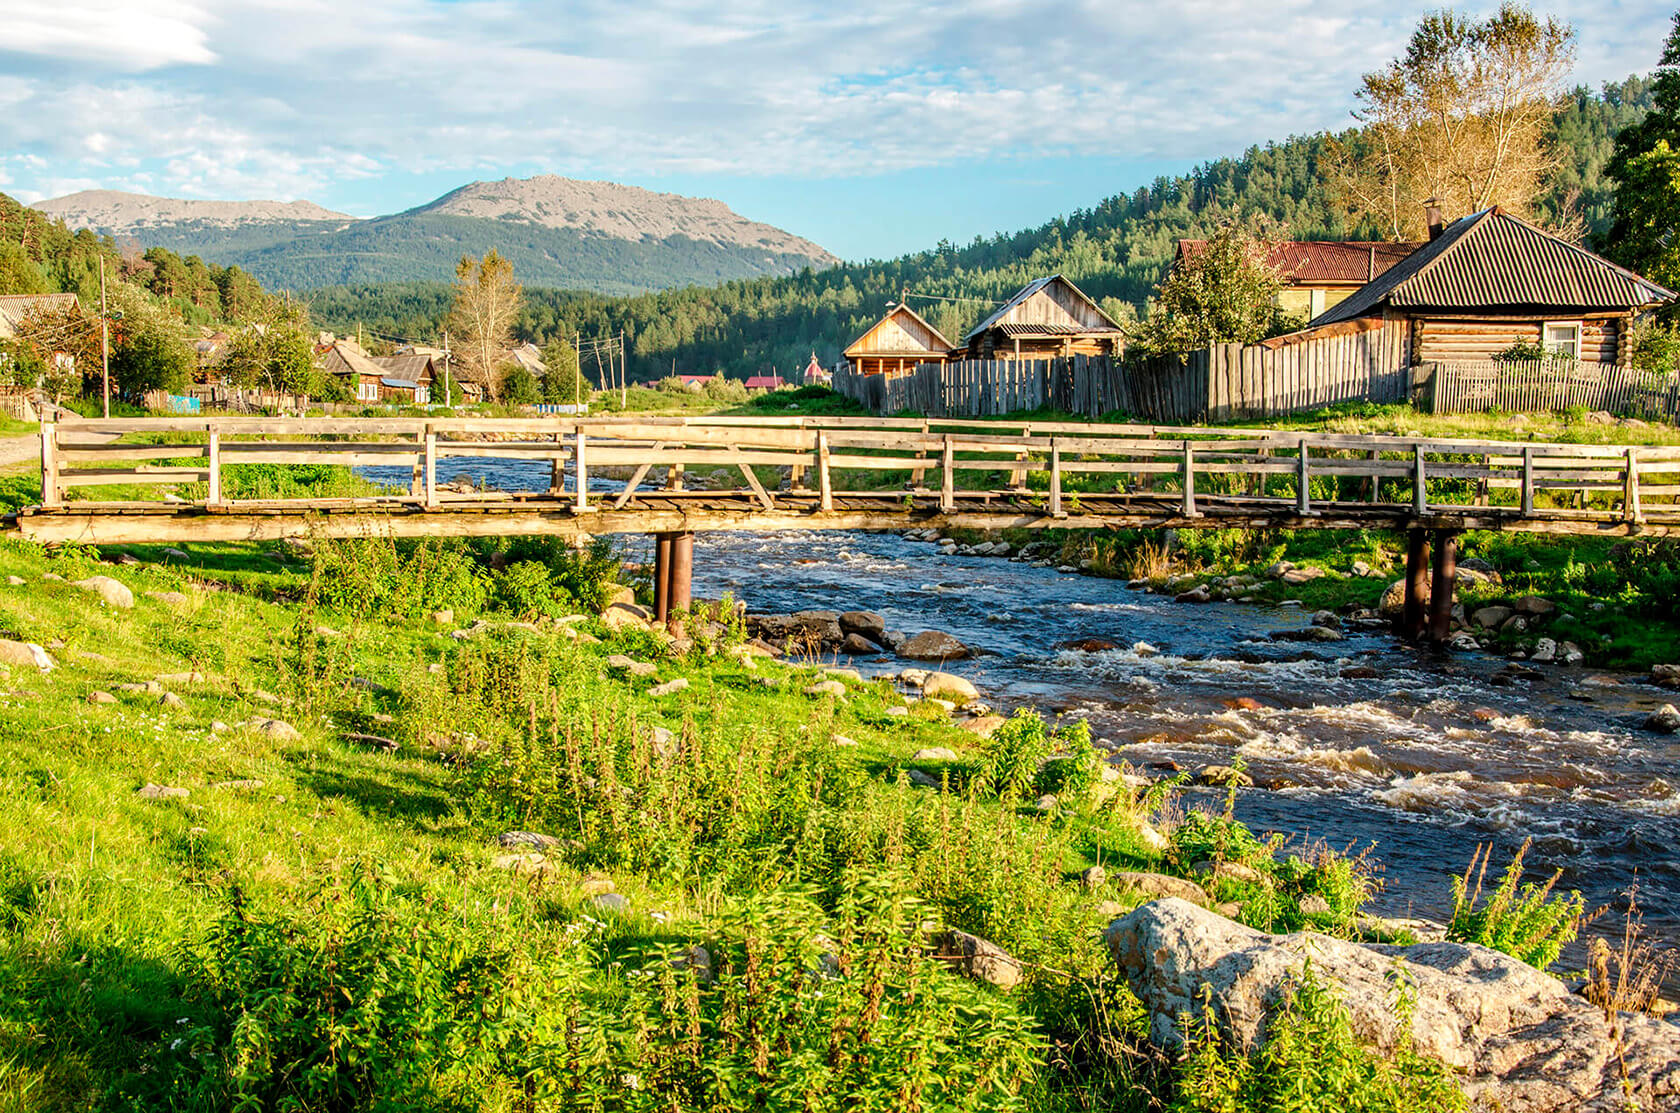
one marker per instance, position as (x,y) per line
(765,382)
(15,309)
(1046,319)
(1490,281)
(1319,274)
(408,379)
(897,342)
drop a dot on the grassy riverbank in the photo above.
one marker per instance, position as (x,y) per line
(203,909)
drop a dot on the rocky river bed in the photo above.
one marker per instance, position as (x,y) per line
(1360,740)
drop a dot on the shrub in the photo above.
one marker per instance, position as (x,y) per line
(1311,1063)
(375,998)
(1013,754)
(525,588)
(1531,925)
(372,576)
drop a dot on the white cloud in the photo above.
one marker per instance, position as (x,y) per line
(125,34)
(286,97)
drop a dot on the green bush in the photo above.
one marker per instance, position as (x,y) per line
(1311,1063)
(1532,925)
(1013,754)
(365,577)
(524,588)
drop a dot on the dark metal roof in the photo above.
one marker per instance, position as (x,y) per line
(1339,262)
(400,384)
(1493,262)
(1013,330)
(1028,291)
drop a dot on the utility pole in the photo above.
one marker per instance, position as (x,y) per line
(623,387)
(104,337)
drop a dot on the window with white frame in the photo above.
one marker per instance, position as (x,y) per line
(1562,338)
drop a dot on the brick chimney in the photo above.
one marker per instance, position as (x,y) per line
(1433,218)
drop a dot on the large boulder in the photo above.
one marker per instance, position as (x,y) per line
(114,592)
(980,959)
(802,628)
(1394,599)
(954,688)
(933,645)
(1521,1040)
(24,655)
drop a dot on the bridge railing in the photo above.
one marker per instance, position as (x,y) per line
(1057,465)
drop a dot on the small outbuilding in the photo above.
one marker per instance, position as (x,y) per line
(897,342)
(1048,318)
(1491,281)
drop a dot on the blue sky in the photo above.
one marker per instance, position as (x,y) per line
(870,127)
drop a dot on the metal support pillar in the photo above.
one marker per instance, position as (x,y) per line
(682,579)
(662,577)
(1413,618)
(1444,586)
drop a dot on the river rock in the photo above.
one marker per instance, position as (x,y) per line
(949,685)
(115,593)
(845,676)
(25,655)
(1394,599)
(1302,575)
(979,959)
(803,628)
(1220,776)
(933,645)
(926,780)
(670,687)
(1490,618)
(1197,594)
(623,616)
(1093,878)
(856,645)
(1155,885)
(1664,720)
(618,662)
(277,729)
(1534,606)
(865,623)
(1088,645)
(1544,650)
(1521,1039)
(1667,676)
(934,753)
(827,688)
(620,593)
(983,725)
(98,697)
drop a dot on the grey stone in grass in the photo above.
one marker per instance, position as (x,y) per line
(113,592)
(162,792)
(611,902)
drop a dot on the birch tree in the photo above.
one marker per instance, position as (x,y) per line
(1461,118)
(486,306)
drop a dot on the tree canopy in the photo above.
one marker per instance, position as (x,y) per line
(1645,235)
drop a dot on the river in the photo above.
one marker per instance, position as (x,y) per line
(1409,759)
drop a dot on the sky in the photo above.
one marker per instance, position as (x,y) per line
(873,128)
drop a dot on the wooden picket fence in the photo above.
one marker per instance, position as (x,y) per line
(1529,386)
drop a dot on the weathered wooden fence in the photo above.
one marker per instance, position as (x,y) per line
(1475,386)
(1221,383)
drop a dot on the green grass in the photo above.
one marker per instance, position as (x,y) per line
(175,952)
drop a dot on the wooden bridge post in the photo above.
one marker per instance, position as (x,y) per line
(1444,586)
(662,577)
(557,467)
(51,495)
(581,503)
(1630,493)
(1412,614)
(1056,477)
(214,454)
(948,483)
(1303,488)
(1189,507)
(678,597)
(1376,480)
(431,467)
(825,481)
(1528,482)
(1420,484)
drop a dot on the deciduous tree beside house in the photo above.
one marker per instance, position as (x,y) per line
(563,383)
(1222,295)
(486,306)
(1462,118)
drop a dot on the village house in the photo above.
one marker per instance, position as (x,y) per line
(1491,281)
(1046,319)
(899,341)
(16,308)
(764,382)
(1318,274)
(399,380)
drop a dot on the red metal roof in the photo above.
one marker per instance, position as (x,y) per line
(1323,262)
(764,382)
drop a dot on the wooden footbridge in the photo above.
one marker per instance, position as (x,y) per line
(638,475)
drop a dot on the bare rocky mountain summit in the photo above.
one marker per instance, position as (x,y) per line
(618,211)
(117,213)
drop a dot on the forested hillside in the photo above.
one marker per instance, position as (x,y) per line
(1116,251)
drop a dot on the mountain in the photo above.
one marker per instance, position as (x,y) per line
(599,236)
(1115,251)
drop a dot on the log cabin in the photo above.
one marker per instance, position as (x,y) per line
(1318,274)
(1490,281)
(897,342)
(1047,318)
